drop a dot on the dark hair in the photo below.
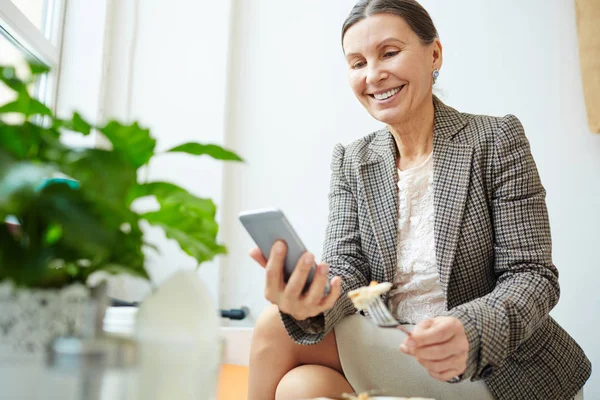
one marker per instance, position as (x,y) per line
(411,11)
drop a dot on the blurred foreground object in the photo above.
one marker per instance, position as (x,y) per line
(177,331)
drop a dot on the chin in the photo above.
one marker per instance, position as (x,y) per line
(389,117)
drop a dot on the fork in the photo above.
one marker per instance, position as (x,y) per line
(382,316)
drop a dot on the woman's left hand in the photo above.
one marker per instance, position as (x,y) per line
(440,345)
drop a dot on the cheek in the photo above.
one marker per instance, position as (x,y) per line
(409,69)
(356,82)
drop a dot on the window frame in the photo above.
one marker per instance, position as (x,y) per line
(42,45)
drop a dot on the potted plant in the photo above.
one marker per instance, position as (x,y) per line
(75,216)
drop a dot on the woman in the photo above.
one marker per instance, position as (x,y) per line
(449,208)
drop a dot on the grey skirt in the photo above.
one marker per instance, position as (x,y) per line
(372,361)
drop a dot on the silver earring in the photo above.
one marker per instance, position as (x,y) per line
(436,73)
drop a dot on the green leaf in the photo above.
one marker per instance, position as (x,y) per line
(81,228)
(27,106)
(13,107)
(191,222)
(212,150)
(8,75)
(30,141)
(38,68)
(159,189)
(16,142)
(76,124)
(104,176)
(53,234)
(134,144)
(80,125)
(18,184)
(38,108)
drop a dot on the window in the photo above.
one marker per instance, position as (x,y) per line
(31,30)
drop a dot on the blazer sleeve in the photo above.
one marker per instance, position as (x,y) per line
(527,281)
(342,251)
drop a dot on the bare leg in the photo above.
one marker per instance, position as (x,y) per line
(310,381)
(273,354)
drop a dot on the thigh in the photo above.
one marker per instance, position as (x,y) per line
(372,361)
(271,332)
(323,353)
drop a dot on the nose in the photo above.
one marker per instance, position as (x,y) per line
(375,73)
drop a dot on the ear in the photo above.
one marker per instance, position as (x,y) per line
(437,56)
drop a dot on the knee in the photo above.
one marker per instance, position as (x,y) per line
(311,381)
(292,384)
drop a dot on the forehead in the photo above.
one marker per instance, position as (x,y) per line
(371,31)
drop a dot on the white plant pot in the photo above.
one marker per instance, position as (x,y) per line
(29,320)
(177,330)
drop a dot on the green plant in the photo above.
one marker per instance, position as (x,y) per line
(68,233)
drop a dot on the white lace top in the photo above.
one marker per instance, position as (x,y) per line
(416,293)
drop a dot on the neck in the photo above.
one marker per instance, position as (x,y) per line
(414,136)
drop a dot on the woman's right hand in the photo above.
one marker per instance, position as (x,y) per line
(289,297)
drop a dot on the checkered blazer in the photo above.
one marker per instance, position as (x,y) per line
(493,249)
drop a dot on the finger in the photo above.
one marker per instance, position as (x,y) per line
(274,271)
(257,256)
(433,332)
(439,351)
(317,287)
(405,349)
(439,366)
(446,375)
(422,326)
(296,283)
(336,289)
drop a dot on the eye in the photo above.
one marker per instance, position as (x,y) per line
(358,64)
(391,53)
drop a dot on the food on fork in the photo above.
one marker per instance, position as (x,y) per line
(363,296)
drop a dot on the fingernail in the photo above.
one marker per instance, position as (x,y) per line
(410,343)
(278,248)
(308,259)
(403,348)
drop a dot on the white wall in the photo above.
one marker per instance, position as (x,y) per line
(291,104)
(81,65)
(178,82)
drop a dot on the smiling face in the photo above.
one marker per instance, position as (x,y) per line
(390,69)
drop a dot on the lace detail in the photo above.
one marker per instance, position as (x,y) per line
(416,292)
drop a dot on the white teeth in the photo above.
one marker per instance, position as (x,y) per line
(386,95)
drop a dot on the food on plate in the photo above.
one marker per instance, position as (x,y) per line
(363,296)
(365,396)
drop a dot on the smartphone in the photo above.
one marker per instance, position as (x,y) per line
(266,226)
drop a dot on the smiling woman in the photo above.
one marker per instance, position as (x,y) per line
(392,56)
(448,208)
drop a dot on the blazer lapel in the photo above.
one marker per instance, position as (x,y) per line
(451,178)
(378,179)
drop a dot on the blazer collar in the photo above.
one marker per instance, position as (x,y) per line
(447,123)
